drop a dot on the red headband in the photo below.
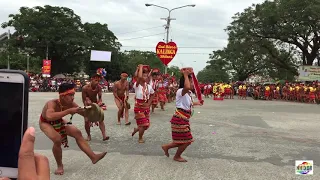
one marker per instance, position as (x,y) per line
(70,91)
(124,74)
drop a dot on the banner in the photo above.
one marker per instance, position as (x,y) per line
(166,51)
(46,68)
(309,73)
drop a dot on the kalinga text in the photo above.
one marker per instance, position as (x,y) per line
(166,51)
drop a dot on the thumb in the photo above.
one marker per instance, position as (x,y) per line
(26,161)
(27,144)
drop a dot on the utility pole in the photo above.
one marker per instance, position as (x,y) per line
(168,19)
(28,56)
(167,27)
(47,52)
(8,63)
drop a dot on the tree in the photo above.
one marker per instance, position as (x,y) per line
(175,71)
(134,58)
(19,61)
(294,22)
(255,56)
(215,71)
(59,32)
(99,37)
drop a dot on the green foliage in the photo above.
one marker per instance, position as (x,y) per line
(265,39)
(61,31)
(19,61)
(69,42)
(134,58)
(294,22)
(175,71)
(216,70)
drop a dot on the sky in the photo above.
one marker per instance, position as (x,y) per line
(197,31)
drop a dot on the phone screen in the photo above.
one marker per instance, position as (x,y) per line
(11,123)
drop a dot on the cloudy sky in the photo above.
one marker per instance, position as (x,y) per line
(197,30)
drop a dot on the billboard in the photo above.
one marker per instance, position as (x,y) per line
(46,68)
(104,56)
(309,73)
(166,51)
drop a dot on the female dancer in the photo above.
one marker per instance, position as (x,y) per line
(180,126)
(144,95)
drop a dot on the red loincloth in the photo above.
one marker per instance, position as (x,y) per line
(60,128)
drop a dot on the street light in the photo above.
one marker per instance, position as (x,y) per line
(168,19)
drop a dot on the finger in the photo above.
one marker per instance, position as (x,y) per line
(42,165)
(4,178)
(26,164)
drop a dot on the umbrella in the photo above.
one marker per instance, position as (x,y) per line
(59,76)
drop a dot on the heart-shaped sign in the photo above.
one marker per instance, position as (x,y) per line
(166,51)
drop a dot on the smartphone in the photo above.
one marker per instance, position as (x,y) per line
(14,97)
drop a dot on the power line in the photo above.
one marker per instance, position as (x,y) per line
(189,32)
(183,47)
(187,53)
(141,37)
(139,30)
(195,53)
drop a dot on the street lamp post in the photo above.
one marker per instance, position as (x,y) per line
(168,19)
(28,56)
(8,61)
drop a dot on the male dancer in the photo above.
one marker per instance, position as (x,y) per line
(89,96)
(55,127)
(121,96)
(144,95)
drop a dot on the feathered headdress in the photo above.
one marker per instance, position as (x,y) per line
(101,72)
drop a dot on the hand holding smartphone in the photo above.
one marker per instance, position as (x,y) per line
(14,96)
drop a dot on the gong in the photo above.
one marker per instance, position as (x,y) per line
(94,113)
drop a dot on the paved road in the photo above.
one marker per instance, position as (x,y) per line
(235,139)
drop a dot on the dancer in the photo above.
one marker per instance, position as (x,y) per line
(121,97)
(180,126)
(154,83)
(89,96)
(56,128)
(144,95)
(162,92)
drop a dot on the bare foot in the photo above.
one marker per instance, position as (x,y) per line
(106,138)
(180,159)
(135,130)
(141,141)
(88,138)
(98,157)
(119,123)
(59,170)
(165,149)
